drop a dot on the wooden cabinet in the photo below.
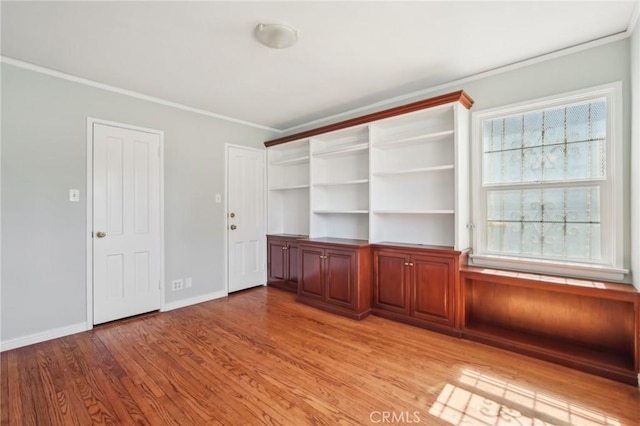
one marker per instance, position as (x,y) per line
(391,281)
(432,288)
(282,261)
(334,275)
(416,285)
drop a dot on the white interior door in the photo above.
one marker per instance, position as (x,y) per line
(126,222)
(246,230)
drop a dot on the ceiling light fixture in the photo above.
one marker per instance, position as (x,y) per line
(276,36)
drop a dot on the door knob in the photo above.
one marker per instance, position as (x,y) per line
(101,234)
(233,227)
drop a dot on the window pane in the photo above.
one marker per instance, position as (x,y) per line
(553,126)
(545,222)
(556,144)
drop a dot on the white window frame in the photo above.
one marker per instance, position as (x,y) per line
(611,265)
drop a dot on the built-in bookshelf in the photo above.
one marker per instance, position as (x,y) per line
(400,175)
(288,188)
(414,179)
(340,184)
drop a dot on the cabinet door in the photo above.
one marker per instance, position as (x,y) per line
(276,259)
(292,267)
(432,279)
(310,277)
(390,285)
(340,274)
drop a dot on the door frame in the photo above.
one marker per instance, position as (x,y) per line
(89,200)
(226,208)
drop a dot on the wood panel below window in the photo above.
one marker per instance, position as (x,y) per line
(591,326)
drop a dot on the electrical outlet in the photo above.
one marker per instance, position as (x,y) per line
(177,285)
(188,282)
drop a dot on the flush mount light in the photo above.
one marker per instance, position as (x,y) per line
(276,36)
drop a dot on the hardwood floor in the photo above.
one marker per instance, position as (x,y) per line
(258,357)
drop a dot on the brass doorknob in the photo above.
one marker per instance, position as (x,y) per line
(101,234)
(233,227)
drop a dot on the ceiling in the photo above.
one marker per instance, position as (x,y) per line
(350,54)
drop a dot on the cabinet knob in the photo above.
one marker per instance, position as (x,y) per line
(233,227)
(408,264)
(285,248)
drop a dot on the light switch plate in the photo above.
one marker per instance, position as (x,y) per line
(74,195)
(218,198)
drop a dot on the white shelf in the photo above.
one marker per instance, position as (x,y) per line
(291,161)
(341,211)
(425,212)
(418,170)
(414,140)
(349,182)
(286,188)
(342,150)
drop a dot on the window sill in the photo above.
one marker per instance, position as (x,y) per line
(563,269)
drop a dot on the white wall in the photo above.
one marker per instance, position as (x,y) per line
(43,234)
(634,49)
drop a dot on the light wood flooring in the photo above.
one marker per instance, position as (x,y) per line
(257,357)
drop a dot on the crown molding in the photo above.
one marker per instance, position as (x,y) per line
(457,83)
(130,93)
(634,18)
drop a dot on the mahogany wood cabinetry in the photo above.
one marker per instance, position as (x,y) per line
(590,326)
(282,261)
(334,275)
(417,285)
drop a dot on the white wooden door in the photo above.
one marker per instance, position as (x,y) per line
(246,220)
(126,222)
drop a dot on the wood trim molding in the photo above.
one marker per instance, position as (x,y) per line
(613,290)
(459,96)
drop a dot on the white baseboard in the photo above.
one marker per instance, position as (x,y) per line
(42,336)
(193,300)
(55,333)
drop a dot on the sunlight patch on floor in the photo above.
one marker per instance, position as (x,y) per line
(483,400)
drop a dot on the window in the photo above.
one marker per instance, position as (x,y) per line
(548,189)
